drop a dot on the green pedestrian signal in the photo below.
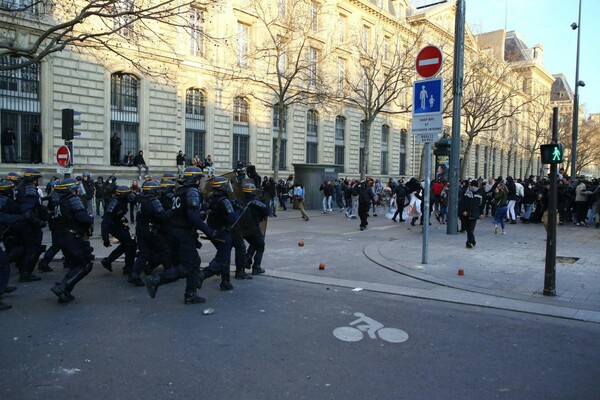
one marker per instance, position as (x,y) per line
(552,153)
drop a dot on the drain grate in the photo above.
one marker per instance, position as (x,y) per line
(567,260)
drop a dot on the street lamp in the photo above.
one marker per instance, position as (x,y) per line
(578,83)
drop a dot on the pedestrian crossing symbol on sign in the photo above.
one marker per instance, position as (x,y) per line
(551,153)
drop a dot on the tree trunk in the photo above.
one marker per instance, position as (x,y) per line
(278,144)
(463,166)
(363,172)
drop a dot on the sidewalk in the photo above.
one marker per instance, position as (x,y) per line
(503,271)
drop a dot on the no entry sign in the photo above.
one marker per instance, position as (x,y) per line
(63,156)
(429,61)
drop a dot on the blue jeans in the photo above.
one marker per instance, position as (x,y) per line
(500,214)
(528,210)
(10,156)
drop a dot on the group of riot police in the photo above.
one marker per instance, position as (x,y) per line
(170,213)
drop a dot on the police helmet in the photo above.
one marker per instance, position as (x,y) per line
(13,176)
(249,189)
(167,184)
(122,191)
(31,174)
(66,186)
(86,175)
(150,187)
(220,183)
(191,176)
(7,188)
(168,177)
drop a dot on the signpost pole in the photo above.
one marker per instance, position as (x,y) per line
(457,88)
(425,252)
(550,271)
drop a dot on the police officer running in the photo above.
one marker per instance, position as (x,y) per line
(152,244)
(8,216)
(221,217)
(185,221)
(115,223)
(71,222)
(30,231)
(259,211)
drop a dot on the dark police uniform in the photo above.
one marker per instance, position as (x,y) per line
(113,223)
(30,230)
(221,216)
(185,221)
(71,223)
(151,242)
(259,211)
(8,217)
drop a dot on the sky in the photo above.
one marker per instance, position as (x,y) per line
(548,22)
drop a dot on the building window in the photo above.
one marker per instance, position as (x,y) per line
(485,161)
(281,55)
(19,102)
(195,130)
(124,118)
(476,174)
(403,138)
(243,45)
(241,132)
(123,22)
(342,28)
(312,68)
(366,38)
(493,164)
(340,142)
(361,157)
(197,32)
(314,16)
(312,144)
(502,162)
(386,49)
(195,104)
(283,147)
(385,134)
(281,8)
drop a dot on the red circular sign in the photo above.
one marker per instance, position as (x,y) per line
(429,61)
(63,156)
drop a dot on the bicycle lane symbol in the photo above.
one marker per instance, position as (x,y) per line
(374,329)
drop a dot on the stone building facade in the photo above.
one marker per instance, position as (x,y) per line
(193,104)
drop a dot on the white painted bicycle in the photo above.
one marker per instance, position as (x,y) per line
(374,329)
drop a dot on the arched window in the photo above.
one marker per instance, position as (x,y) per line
(241,131)
(340,143)
(195,124)
(312,143)
(124,112)
(20,102)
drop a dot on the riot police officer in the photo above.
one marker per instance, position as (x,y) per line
(115,223)
(8,216)
(152,245)
(258,211)
(221,217)
(185,221)
(71,223)
(239,246)
(30,230)
(44,264)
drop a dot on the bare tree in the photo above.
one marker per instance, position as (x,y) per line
(490,99)
(538,130)
(588,143)
(35,29)
(382,77)
(285,60)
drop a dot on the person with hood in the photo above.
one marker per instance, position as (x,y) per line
(470,208)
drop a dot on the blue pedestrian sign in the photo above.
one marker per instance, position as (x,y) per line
(428,96)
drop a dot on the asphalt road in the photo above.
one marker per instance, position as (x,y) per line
(273,339)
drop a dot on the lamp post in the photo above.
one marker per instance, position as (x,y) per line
(575,130)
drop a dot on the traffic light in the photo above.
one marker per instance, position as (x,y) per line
(552,153)
(69,123)
(442,147)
